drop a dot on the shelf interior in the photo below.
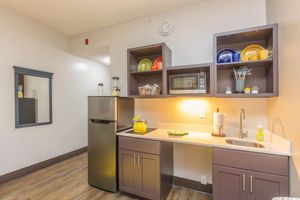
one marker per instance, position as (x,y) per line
(262,77)
(137,54)
(140,79)
(262,36)
(146,51)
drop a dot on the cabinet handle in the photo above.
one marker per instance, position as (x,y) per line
(244,182)
(251,183)
(138,162)
(134,160)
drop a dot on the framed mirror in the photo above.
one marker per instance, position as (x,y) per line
(33,97)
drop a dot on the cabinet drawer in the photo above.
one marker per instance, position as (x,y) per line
(140,145)
(272,164)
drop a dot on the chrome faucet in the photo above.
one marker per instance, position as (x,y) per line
(242,134)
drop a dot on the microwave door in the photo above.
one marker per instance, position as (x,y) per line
(184,84)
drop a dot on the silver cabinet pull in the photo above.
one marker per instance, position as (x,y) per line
(138,162)
(244,182)
(251,183)
(134,160)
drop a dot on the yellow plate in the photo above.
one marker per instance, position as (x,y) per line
(251,53)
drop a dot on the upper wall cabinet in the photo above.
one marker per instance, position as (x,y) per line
(246,59)
(145,67)
(245,65)
(151,74)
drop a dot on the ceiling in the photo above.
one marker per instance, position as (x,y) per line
(72,17)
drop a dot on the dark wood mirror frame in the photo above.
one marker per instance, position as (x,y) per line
(31,72)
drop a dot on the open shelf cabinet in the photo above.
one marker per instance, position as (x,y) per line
(137,78)
(264,72)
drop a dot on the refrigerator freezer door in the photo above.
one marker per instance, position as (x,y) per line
(104,108)
(102,155)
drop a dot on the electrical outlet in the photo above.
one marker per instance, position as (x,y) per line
(202,114)
(204,180)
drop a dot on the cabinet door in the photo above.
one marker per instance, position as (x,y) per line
(149,175)
(266,186)
(229,183)
(128,175)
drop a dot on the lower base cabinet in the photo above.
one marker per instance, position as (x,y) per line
(146,170)
(128,176)
(241,175)
(267,186)
(139,174)
(229,183)
(145,167)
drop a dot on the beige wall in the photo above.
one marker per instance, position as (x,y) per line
(183,113)
(284,111)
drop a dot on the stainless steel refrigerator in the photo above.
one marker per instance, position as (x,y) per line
(106,116)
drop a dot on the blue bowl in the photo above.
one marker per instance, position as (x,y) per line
(225,55)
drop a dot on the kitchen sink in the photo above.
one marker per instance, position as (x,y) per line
(245,143)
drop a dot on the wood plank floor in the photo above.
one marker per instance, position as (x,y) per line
(68,181)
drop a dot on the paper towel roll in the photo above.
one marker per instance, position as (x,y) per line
(218,122)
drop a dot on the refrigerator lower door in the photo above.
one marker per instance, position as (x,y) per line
(102,154)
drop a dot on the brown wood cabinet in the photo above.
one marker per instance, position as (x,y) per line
(267,186)
(145,167)
(137,78)
(128,175)
(229,183)
(139,173)
(241,175)
(264,72)
(149,175)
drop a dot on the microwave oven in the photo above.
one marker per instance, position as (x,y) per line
(194,83)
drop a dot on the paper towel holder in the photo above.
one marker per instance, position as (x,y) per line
(219,132)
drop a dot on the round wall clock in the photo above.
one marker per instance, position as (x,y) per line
(166,28)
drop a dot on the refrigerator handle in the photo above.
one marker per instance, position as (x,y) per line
(100,121)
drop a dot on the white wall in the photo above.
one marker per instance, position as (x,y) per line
(27,44)
(284,110)
(191,42)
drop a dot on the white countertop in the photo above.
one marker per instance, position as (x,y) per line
(278,146)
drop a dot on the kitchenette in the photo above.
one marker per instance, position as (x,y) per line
(140,161)
(239,158)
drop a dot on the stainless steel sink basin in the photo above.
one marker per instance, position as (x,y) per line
(245,143)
